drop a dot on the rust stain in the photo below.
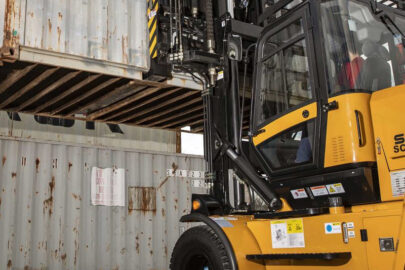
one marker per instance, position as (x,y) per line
(9,264)
(13,175)
(124,49)
(49,25)
(48,203)
(142,198)
(60,16)
(174,167)
(69,166)
(26,267)
(76,197)
(59,30)
(63,257)
(116,268)
(3,161)
(165,250)
(29,221)
(37,161)
(163,212)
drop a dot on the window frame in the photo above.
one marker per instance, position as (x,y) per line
(302,13)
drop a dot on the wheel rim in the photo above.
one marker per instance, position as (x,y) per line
(198,261)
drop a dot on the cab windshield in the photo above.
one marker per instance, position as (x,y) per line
(364,51)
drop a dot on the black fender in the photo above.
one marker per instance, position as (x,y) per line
(198,217)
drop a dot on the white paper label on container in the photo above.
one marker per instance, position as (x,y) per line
(335,188)
(398,183)
(333,228)
(350,225)
(352,234)
(319,191)
(108,186)
(299,193)
(287,233)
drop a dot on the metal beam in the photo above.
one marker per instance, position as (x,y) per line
(157,107)
(168,110)
(86,94)
(47,90)
(146,102)
(139,95)
(66,93)
(175,116)
(14,77)
(20,92)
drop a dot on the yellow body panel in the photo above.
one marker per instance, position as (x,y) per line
(400,252)
(387,107)
(380,220)
(342,137)
(284,122)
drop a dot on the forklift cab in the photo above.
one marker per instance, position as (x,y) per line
(317,65)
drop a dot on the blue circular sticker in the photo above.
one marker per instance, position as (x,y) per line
(329,228)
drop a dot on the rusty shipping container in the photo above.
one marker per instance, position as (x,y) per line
(47,220)
(100,36)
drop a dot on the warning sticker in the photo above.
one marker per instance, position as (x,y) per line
(287,233)
(299,193)
(352,234)
(335,188)
(319,191)
(333,228)
(350,225)
(398,183)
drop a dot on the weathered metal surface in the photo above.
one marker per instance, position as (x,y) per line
(47,221)
(104,30)
(27,127)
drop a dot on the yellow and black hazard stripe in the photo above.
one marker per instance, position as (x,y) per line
(153,7)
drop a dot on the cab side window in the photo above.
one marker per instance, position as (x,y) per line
(285,78)
(284,85)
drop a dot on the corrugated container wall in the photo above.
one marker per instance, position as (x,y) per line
(106,36)
(130,137)
(48,222)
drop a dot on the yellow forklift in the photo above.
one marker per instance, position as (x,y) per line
(316,180)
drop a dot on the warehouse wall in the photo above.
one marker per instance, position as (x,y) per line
(48,222)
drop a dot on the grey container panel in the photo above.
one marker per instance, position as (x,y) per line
(106,36)
(47,221)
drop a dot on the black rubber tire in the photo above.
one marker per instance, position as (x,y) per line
(199,248)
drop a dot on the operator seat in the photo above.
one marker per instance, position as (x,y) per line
(376,72)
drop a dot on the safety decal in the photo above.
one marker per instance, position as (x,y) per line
(299,193)
(350,225)
(352,234)
(335,188)
(398,183)
(319,191)
(333,228)
(287,233)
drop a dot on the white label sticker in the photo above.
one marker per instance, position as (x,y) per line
(350,225)
(398,183)
(108,186)
(287,233)
(319,191)
(352,234)
(185,173)
(223,222)
(220,75)
(335,188)
(333,228)
(299,193)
